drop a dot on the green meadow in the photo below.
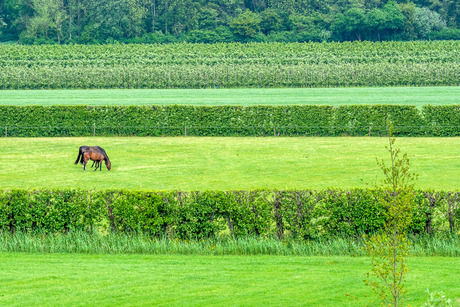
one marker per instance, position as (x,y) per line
(417,96)
(164,280)
(224,163)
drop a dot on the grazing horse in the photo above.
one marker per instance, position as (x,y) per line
(84,149)
(96,157)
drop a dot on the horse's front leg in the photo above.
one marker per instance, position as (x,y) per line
(84,166)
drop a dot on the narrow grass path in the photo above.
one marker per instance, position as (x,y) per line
(417,96)
(219,163)
(142,280)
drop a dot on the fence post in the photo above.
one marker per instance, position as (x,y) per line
(185,130)
(94,129)
(6,131)
(274,130)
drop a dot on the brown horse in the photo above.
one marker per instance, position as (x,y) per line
(83,149)
(96,157)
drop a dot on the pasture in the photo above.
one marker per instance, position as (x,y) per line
(224,163)
(106,280)
(417,96)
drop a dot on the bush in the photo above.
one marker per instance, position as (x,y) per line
(445,34)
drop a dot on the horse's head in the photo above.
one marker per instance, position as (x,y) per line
(108,164)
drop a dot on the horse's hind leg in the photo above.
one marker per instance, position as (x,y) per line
(85,160)
(97,165)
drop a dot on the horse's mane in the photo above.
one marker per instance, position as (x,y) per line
(106,157)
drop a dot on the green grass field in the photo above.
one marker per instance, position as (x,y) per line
(146,280)
(418,96)
(199,163)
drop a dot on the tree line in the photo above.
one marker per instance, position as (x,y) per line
(210,21)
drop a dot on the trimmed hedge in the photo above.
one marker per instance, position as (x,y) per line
(175,120)
(299,214)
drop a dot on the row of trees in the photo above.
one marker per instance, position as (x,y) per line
(149,21)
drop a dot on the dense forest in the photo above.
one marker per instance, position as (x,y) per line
(210,21)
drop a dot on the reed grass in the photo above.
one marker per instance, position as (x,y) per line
(122,243)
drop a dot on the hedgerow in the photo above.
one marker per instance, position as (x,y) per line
(177,120)
(298,214)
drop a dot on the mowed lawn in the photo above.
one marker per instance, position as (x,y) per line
(417,96)
(224,163)
(152,280)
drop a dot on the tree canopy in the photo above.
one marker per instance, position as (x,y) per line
(209,21)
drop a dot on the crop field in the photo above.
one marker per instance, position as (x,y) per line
(221,163)
(76,279)
(274,65)
(417,96)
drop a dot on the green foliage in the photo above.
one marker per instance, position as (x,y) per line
(96,22)
(394,16)
(246,24)
(286,215)
(271,21)
(437,299)
(445,34)
(389,248)
(427,21)
(350,25)
(258,120)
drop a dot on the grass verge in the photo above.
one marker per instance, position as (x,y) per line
(196,280)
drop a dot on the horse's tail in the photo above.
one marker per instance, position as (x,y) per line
(80,154)
(82,159)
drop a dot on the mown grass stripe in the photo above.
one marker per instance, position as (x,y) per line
(417,96)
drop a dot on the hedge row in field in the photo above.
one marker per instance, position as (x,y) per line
(298,214)
(257,120)
(230,65)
